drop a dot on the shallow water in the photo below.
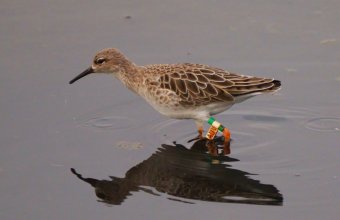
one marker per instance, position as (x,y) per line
(107,135)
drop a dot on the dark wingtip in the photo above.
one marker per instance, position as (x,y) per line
(277,83)
(276,86)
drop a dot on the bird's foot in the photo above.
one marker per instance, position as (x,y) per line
(212,141)
(223,140)
(199,137)
(194,139)
(212,148)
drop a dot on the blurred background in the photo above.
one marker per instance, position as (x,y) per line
(291,139)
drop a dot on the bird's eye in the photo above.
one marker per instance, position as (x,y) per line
(100,60)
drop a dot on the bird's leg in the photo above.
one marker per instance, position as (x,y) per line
(216,126)
(226,145)
(212,148)
(199,125)
(200,132)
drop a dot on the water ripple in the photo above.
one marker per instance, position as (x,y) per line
(324,124)
(111,122)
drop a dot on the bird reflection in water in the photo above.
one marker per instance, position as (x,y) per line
(186,174)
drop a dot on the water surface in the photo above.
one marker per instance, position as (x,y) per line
(108,134)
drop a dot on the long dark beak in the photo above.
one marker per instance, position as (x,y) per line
(86,72)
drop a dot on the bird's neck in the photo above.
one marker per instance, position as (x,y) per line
(131,77)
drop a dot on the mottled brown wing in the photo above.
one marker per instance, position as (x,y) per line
(197,85)
(240,84)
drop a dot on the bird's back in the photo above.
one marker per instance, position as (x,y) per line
(197,84)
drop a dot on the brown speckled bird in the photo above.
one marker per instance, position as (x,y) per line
(182,91)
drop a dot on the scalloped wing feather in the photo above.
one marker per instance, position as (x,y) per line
(198,84)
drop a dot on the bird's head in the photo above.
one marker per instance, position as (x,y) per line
(109,60)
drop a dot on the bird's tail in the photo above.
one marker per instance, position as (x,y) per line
(244,92)
(276,86)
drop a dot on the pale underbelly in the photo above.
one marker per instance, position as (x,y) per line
(201,112)
(174,109)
